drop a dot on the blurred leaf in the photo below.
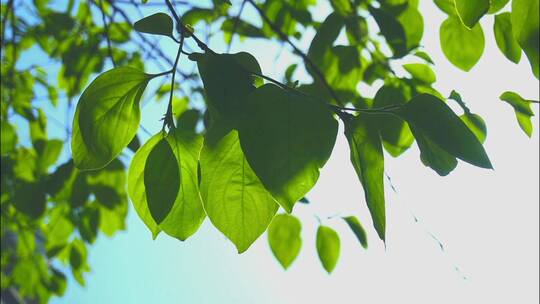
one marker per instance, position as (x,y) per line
(285,239)
(328,247)
(421,72)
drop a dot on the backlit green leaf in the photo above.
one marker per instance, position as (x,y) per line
(357,229)
(505,37)
(523,110)
(328,247)
(439,124)
(526,28)
(476,124)
(470,11)
(233,196)
(284,238)
(421,72)
(157,24)
(107,117)
(286,137)
(497,5)
(368,161)
(462,47)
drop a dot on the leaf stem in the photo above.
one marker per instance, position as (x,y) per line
(168,120)
(235,25)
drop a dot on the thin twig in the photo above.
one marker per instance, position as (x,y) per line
(168,120)
(235,25)
(106,32)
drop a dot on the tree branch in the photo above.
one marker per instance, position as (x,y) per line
(106,33)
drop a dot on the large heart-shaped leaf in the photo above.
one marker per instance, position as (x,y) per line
(287,137)
(233,196)
(284,238)
(107,117)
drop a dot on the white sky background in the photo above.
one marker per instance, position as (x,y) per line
(486,219)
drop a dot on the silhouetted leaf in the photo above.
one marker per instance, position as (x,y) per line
(284,238)
(286,138)
(157,24)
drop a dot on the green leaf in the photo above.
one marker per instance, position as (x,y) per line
(161,180)
(357,229)
(446,6)
(107,117)
(328,246)
(413,25)
(157,24)
(8,138)
(234,199)
(525,26)
(136,186)
(395,133)
(392,30)
(462,47)
(284,238)
(432,155)
(439,124)
(48,154)
(342,7)
(425,56)
(476,124)
(368,161)
(286,137)
(505,38)
(227,82)
(497,5)
(470,11)
(421,72)
(187,214)
(523,110)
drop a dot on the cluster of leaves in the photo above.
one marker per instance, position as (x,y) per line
(257,145)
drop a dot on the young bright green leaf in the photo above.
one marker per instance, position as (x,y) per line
(421,72)
(413,25)
(395,133)
(505,37)
(470,11)
(136,187)
(287,137)
(425,56)
(526,28)
(523,110)
(357,229)
(107,117)
(476,124)
(48,153)
(439,124)
(161,180)
(234,199)
(328,247)
(497,5)
(227,81)
(368,161)
(157,24)
(284,238)
(462,46)
(342,7)
(8,138)
(187,213)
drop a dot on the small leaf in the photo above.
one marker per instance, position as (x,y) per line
(357,229)
(107,117)
(470,11)
(8,138)
(525,26)
(476,124)
(392,30)
(368,161)
(421,72)
(425,56)
(523,110)
(157,24)
(284,238)
(161,180)
(287,138)
(439,124)
(462,47)
(233,196)
(505,38)
(328,247)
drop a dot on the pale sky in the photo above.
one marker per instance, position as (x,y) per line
(486,219)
